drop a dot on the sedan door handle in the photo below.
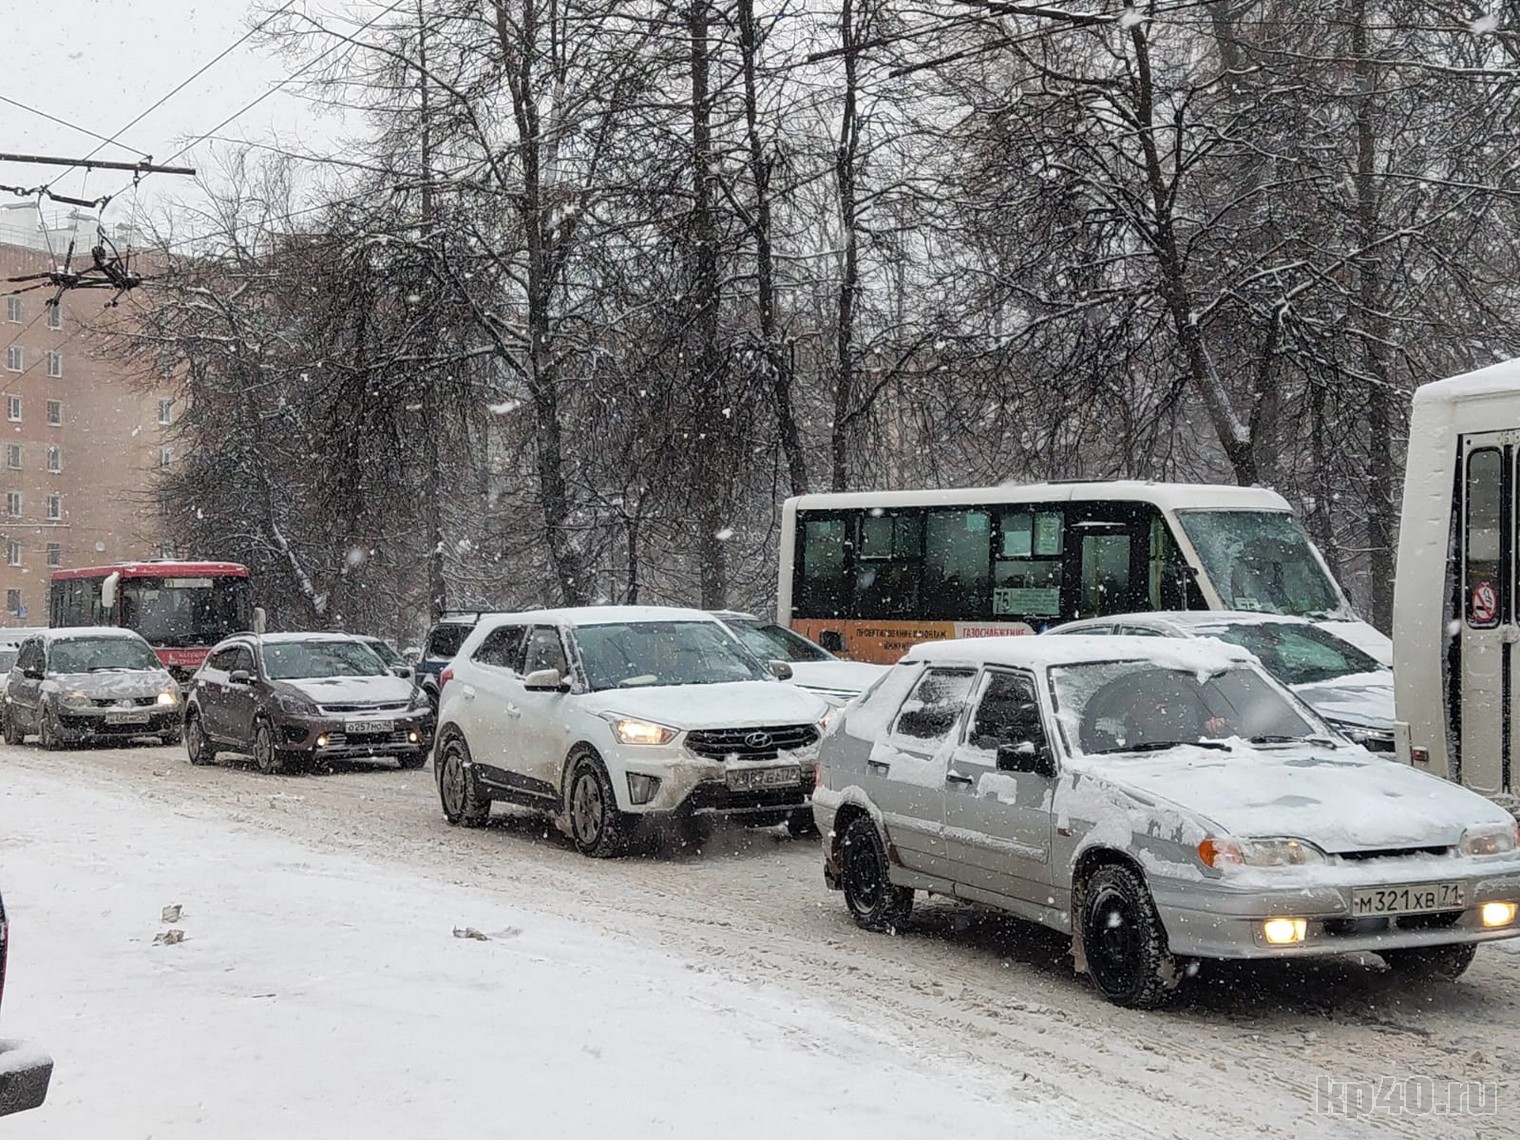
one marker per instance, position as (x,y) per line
(880,767)
(954,777)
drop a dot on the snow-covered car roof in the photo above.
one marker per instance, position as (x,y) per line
(602,615)
(1188,619)
(1029,652)
(75,632)
(316,635)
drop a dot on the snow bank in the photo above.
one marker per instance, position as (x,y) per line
(322,996)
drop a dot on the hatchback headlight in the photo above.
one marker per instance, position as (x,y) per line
(76,699)
(419,701)
(631,731)
(1490,839)
(168,697)
(295,705)
(1222,854)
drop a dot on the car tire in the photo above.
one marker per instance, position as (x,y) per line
(874,902)
(197,743)
(12,731)
(464,804)
(271,760)
(1439,963)
(801,824)
(597,828)
(1123,940)
(49,734)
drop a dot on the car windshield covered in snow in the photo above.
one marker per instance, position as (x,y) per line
(8,657)
(1134,706)
(774,642)
(1261,561)
(630,654)
(300,660)
(384,651)
(98,654)
(1295,654)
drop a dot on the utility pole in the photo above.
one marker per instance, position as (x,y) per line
(432,494)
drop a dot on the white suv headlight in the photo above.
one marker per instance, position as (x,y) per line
(1490,839)
(631,731)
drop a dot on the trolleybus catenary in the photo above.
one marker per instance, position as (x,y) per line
(181,609)
(1456,607)
(870,574)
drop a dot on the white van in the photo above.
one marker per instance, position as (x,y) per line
(1456,622)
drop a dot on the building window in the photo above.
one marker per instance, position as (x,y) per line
(55,460)
(55,315)
(165,504)
(13,310)
(166,411)
(13,456)
(13,602)
(166,550)
(13,504)
(55,412)
(13,552)
(14,360)
(54,554)
(55,364)
(55,507)
(165,457)
(13,409)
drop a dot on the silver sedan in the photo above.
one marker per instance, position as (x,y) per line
(1162,801)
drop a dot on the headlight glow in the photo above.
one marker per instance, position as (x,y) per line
(1222,854)
(168,697)
(1284,931)
(76,698)
(1497,913)
(1490,839)
(630,731)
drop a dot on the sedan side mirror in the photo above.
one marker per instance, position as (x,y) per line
(32,674)
(403,671)
(546,681)
(1026,756)
(781,670)
(240,677)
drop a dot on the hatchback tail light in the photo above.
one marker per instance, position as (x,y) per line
(445,677)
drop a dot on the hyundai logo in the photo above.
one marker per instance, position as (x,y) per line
(757,741)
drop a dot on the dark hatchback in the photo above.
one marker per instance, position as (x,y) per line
(291,700)
(25,1070)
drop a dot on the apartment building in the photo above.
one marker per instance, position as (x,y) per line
(84,441)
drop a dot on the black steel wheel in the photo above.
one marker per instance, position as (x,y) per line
(458,790)
(874,902)
(49,733)
(1124,941)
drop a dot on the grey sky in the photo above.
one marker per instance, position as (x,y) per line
(100,63)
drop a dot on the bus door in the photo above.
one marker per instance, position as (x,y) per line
(1487,631)
(1109,574)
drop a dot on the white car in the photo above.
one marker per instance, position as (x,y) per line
(1341,682)
(1161,801)
(812,666)
(605,718)
(10,645)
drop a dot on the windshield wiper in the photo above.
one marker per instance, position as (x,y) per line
(1159,745)
(1284,738)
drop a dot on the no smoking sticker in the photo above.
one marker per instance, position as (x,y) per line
(1485,604)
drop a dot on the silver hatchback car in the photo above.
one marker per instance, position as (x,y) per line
(1159,800)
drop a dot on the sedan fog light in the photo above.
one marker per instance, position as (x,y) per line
(1497,913)
(413,737)
(1284,931)
(642,789)
(321,742)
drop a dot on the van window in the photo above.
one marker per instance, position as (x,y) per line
(1481,546)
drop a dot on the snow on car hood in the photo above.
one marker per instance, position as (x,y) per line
(383,688)
(1359,698)
(846,678)
(1343,799)
(123,684)
(732,704)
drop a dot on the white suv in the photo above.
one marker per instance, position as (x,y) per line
(606,717)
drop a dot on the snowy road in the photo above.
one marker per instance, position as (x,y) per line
(320,990)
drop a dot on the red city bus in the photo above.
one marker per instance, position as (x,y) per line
(181,609)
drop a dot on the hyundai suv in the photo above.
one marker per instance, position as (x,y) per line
(607,718)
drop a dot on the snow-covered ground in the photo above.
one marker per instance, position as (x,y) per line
(320,995)
(320,990)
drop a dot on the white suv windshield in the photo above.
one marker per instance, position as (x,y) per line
(1134,706)
(631,654)
(1261,561)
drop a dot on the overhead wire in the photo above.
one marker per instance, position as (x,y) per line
(72,126)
